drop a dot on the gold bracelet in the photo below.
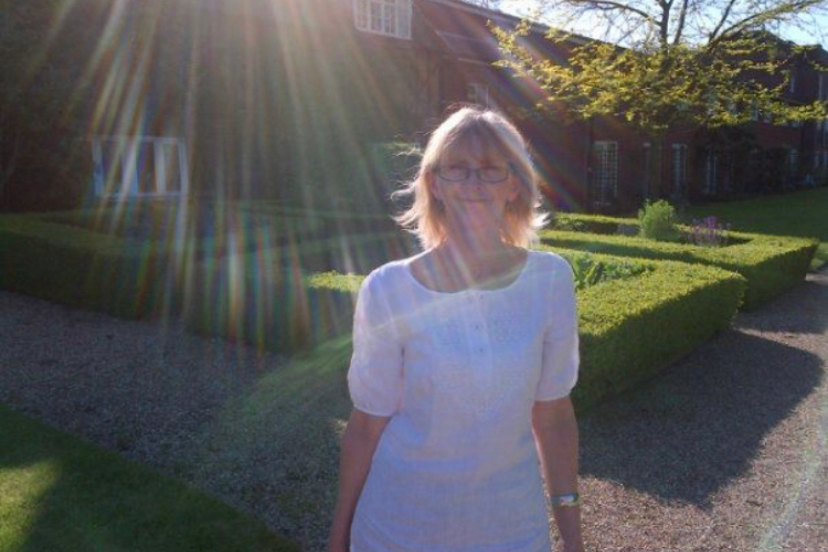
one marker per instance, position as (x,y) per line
(566,500)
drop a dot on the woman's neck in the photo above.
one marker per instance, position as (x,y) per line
(474,259)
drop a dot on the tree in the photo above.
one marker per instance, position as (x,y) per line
(668,63)
(489,4)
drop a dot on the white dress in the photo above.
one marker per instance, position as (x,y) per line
(456,469)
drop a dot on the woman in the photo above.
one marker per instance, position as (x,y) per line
(464,357)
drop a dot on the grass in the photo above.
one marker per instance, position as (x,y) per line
(60,493)
(803,214)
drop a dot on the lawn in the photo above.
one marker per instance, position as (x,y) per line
(803,214)
(60,493)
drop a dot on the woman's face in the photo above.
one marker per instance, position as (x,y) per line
(474,183)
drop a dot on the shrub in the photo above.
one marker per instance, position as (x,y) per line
(588,271)
(658,221)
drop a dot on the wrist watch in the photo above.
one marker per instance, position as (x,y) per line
(566,500)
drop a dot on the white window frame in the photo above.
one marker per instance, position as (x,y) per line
(478,93)
(679,168)
(605,172)
(128,185)
(394,17)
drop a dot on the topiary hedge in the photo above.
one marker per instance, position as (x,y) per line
(286,299)
(135,278)
(630,326)
(633,327)
(79,268)
(770,264)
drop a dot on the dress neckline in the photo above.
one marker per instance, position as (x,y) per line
(510,285)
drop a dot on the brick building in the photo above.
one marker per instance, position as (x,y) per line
(257,98)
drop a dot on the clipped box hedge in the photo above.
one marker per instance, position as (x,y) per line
(79,268)
(631,328)
(770,264)
(286,299)
(43,256)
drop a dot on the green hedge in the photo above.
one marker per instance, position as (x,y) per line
(282,306)
(631,328)
(134,278)
(594,224)
(770,264)
(287,312)
(79,268)
(286,299)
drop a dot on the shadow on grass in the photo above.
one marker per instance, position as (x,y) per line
(60,493)
(698,426)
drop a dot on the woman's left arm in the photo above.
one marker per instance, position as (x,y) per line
(556,438)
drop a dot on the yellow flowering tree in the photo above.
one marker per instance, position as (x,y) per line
(663,64)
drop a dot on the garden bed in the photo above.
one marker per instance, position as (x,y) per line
(770,264)
(630,328)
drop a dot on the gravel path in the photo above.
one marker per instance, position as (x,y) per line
(726,450)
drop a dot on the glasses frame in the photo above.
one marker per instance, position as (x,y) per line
(477,172)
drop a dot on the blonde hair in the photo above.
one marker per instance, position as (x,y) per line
(523,217)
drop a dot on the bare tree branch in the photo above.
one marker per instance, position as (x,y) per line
(722,20)
(765,16)
(681,21)
(610,5)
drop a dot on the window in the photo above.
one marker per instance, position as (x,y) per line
(385,17)
(680,168)
(139,166)
(478,93)
(711,172)
(823,86)
(652,170)
(791,82)
(793,162)
(605,171)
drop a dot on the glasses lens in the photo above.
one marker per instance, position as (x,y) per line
(453,173)
(494,174)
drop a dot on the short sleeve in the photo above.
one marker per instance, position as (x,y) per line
(375,377)
(561,357)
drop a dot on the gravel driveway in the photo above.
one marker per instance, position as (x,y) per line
(726,450)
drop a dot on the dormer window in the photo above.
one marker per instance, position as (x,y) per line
(478,93)
(385,17)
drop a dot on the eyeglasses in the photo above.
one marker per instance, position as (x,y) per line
(462,173)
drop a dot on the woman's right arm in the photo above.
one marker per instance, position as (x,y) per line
(358,445)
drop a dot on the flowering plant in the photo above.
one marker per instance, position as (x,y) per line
(708,232)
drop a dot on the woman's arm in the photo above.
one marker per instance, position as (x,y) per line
(358,445)
(556,438)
